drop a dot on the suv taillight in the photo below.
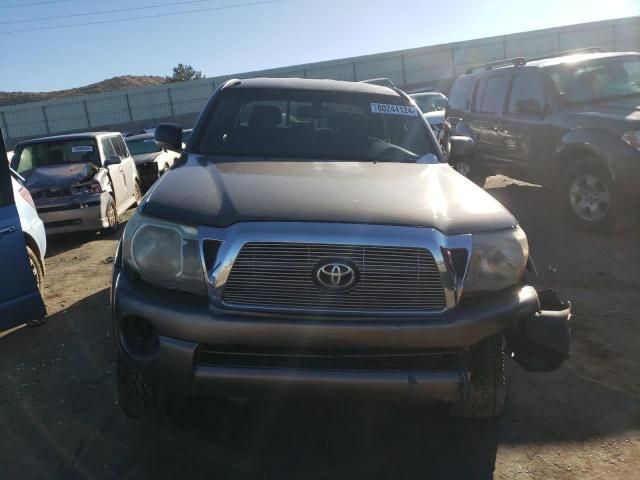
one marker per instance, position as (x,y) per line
(27,196)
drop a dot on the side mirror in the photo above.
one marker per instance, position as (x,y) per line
(528,107)
(169,136)
(113,160)
(460,147)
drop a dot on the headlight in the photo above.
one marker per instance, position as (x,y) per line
(163,253)
(497,261)
(632,139)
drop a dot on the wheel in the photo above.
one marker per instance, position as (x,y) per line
(473,173)
(485,393)
(112,217)
(588,195)
(38,273)
(36,268)
(139,397)
(137,193)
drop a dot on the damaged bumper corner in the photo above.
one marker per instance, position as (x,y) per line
(542,341)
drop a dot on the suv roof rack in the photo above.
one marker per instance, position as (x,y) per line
(575,51)
(516,62)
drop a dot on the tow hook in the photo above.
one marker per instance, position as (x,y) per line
(542,342)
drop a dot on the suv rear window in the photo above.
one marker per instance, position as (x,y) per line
(494,94)
(315,125)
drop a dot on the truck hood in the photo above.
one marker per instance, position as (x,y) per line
(624,109)
(56,177)
(219,194)
(145,157)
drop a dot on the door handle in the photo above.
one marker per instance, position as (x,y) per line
(8,230)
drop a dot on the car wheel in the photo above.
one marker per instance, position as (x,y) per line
(138,396)
(588,194)
(36,267)
(473,173)
(485,393)
(112,217)
(137,193)
(35,262)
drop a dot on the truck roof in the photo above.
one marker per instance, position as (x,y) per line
(68,136)
(311,84)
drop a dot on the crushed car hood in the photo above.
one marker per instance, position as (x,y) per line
(54,177)
(220,194)
(145,157)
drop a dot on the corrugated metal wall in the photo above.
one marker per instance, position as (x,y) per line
(407,68)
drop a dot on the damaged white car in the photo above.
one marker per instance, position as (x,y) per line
(79,181)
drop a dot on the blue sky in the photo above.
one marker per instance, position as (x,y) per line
(253,37)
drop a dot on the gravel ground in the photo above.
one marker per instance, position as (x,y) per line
(59,416)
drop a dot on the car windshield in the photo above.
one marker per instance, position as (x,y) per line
(315,125)
(142,146)
(597,80)
(30,156)
(431,102)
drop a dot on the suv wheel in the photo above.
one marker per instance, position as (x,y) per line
(139,397)
(485,395)
(588,195)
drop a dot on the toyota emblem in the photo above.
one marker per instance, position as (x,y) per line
(335,275)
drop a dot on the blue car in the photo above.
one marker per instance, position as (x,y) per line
(22,249)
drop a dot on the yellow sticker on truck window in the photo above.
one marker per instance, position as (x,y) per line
(394,109)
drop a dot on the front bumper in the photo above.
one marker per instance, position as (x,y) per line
(75,213)
(199,348)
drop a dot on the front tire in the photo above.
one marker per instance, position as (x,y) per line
(485,393)
(113,220)
(139,397)
(137,193)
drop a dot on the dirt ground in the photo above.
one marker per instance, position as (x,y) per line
(59,416)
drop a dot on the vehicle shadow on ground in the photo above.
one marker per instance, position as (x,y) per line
(59,415)
(64,242)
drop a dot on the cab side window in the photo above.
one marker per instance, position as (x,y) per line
(107,148)
(494,94)
(119,146)
(526,90)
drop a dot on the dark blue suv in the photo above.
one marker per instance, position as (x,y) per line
(570,122)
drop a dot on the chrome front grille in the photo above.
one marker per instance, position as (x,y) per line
(280,276)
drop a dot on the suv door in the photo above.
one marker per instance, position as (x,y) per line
(116,172)
(486,120)
(527,137)
(20,300)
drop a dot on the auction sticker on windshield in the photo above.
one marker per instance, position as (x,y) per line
(394,109)
(81,148)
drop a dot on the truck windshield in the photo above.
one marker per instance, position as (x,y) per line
(597,80)
(142,145)
(315,125)
(30,156)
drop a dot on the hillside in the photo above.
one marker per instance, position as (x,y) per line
(115,83)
